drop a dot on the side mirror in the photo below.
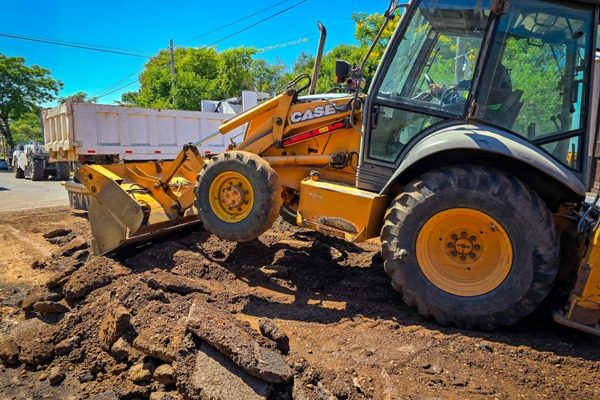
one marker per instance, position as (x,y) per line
(342,71)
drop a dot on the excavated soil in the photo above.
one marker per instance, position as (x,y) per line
(293,314)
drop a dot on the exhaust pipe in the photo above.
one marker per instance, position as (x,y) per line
(317,67)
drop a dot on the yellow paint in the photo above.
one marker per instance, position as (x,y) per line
(231,196)
(318,160)
(464,252)
(341,210)
(139,198)
(251,115)
(584,301)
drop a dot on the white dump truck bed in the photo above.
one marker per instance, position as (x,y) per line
(76,131)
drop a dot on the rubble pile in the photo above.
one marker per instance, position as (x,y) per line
(130,329)
(292,315)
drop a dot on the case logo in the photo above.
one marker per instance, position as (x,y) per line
(312,113)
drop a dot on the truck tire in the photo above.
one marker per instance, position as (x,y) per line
(470,246)
(19,173)
(37,170)
(63,171)
(238,196)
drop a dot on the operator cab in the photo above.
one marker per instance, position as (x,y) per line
(525,70)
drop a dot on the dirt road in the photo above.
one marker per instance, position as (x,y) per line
(121,327)
(23,194)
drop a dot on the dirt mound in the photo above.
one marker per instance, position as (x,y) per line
(292,315)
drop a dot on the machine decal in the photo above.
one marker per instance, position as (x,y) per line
(312,113)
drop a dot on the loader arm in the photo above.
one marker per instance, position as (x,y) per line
(134,199)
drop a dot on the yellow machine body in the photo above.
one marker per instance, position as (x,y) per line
(132,201)
(303,142)
(309,148)
(583,309)
(340,210)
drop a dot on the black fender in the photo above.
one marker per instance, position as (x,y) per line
(482,144)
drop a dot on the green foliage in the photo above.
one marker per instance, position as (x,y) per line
(27,128)
(367,26)
(22,89)
(129,99)
(78,97)
(202,74)
(205,73)
(267,77)
(535,72)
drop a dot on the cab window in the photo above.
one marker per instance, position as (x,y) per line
(429,77)
(536,77)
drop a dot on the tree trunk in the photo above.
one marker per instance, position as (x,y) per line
(5,131)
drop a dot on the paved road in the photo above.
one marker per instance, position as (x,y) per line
(23,194)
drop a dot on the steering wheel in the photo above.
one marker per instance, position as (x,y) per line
(447,94)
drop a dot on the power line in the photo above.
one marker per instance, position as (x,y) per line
(117,89)
(212,44)
(227,25)
(282,45)
(74,45)
(256,23)
(100,93)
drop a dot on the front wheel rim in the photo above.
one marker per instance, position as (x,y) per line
(231,196)
(464,252)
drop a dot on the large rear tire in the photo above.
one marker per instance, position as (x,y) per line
(37,170)
(238,196)
(63,171)
(471,246)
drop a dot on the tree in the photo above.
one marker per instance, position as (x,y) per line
(129,99)
(201,74)
(367,26)
(22,89)
(27,128)
(205,73)
(78,97)
(267,77)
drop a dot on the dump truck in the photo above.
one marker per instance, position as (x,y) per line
(89,133)
(469,159)
(103,134)
(31,161)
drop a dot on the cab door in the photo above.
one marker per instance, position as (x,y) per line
(423,82)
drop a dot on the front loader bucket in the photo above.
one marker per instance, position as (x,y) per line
(135,202)
(113,215)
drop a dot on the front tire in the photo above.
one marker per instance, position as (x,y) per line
(19,173)
(238,196)
(470,246)
(37,170)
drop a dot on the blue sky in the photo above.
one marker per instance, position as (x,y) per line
(145,27)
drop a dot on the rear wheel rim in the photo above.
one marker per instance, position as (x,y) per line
(464,252)
(231,196)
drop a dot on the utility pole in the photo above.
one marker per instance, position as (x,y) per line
(172,71)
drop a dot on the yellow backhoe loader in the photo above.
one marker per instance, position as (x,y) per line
(469,158)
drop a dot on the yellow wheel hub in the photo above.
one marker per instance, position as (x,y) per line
(231,196)
(464,252)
